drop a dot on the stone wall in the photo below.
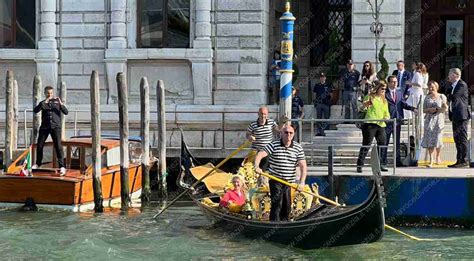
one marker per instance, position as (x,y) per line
(392,16)
(82,33)
(240,51)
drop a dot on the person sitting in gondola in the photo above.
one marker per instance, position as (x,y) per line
(285,154)
(234,199)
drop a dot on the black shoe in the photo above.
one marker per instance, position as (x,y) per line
(359,169)
(453,165)
(459,165)
(383,168)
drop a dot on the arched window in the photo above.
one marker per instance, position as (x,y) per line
(17,24)
(163,23)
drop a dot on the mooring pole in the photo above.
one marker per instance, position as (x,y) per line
(123,127)
(9,119)
(331,171)
(286,68)
(95,132)
(63,97)
(37,85)
(15,115)
(145,140)
(162,173)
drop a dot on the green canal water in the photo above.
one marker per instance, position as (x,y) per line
(183,233)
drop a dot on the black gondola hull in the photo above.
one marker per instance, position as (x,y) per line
(359,225)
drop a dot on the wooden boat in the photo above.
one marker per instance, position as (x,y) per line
(46,188)
(321,226)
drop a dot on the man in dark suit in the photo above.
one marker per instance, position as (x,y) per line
(51,109)
(402,76)
(396,104)
(459,114)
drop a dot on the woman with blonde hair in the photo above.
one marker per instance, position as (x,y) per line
(434,107)
(234,198)
(376,107)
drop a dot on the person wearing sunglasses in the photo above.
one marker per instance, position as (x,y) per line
(368,77)
(285,155)
(376,107)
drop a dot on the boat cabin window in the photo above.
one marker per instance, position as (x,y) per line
(81,158)
(135,154)
(135,149)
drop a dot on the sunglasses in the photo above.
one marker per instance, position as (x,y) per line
(383,89)
(289,132)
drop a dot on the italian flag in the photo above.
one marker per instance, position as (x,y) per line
(25,170)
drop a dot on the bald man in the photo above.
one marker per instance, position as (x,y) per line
(458,100)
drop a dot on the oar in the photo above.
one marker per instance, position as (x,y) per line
(245,144)
(336,204)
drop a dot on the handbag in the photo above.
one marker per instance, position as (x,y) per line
(361,116)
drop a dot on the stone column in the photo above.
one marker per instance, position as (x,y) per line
(202,68)
(203,24)
(117,24)
(47,53)
(116,55)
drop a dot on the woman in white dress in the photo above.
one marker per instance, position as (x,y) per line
(415,92)
(426,78)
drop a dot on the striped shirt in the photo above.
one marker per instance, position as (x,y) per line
(263,133)
(283,160)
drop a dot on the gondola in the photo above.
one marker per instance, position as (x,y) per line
(321,226)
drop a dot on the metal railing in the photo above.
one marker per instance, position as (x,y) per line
(218,121)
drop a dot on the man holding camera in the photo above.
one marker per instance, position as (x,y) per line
(51,109)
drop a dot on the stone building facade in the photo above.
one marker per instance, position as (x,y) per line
(223,68)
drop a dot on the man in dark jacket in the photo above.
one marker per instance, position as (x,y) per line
(459,114)
(322,92)
(396,104)
(403,76)
(350,78)
(51,109)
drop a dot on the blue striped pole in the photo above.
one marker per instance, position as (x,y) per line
(286,67)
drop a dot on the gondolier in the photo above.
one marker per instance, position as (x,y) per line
(261,133)
(51,109)
(285,154)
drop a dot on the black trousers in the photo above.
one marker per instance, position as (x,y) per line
(388,134)
(56,136)
(460,139)
(281,201)
(369,131)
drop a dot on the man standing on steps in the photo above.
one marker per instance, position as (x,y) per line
(350,77)
(459,114)
(51,109)
(403,76)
